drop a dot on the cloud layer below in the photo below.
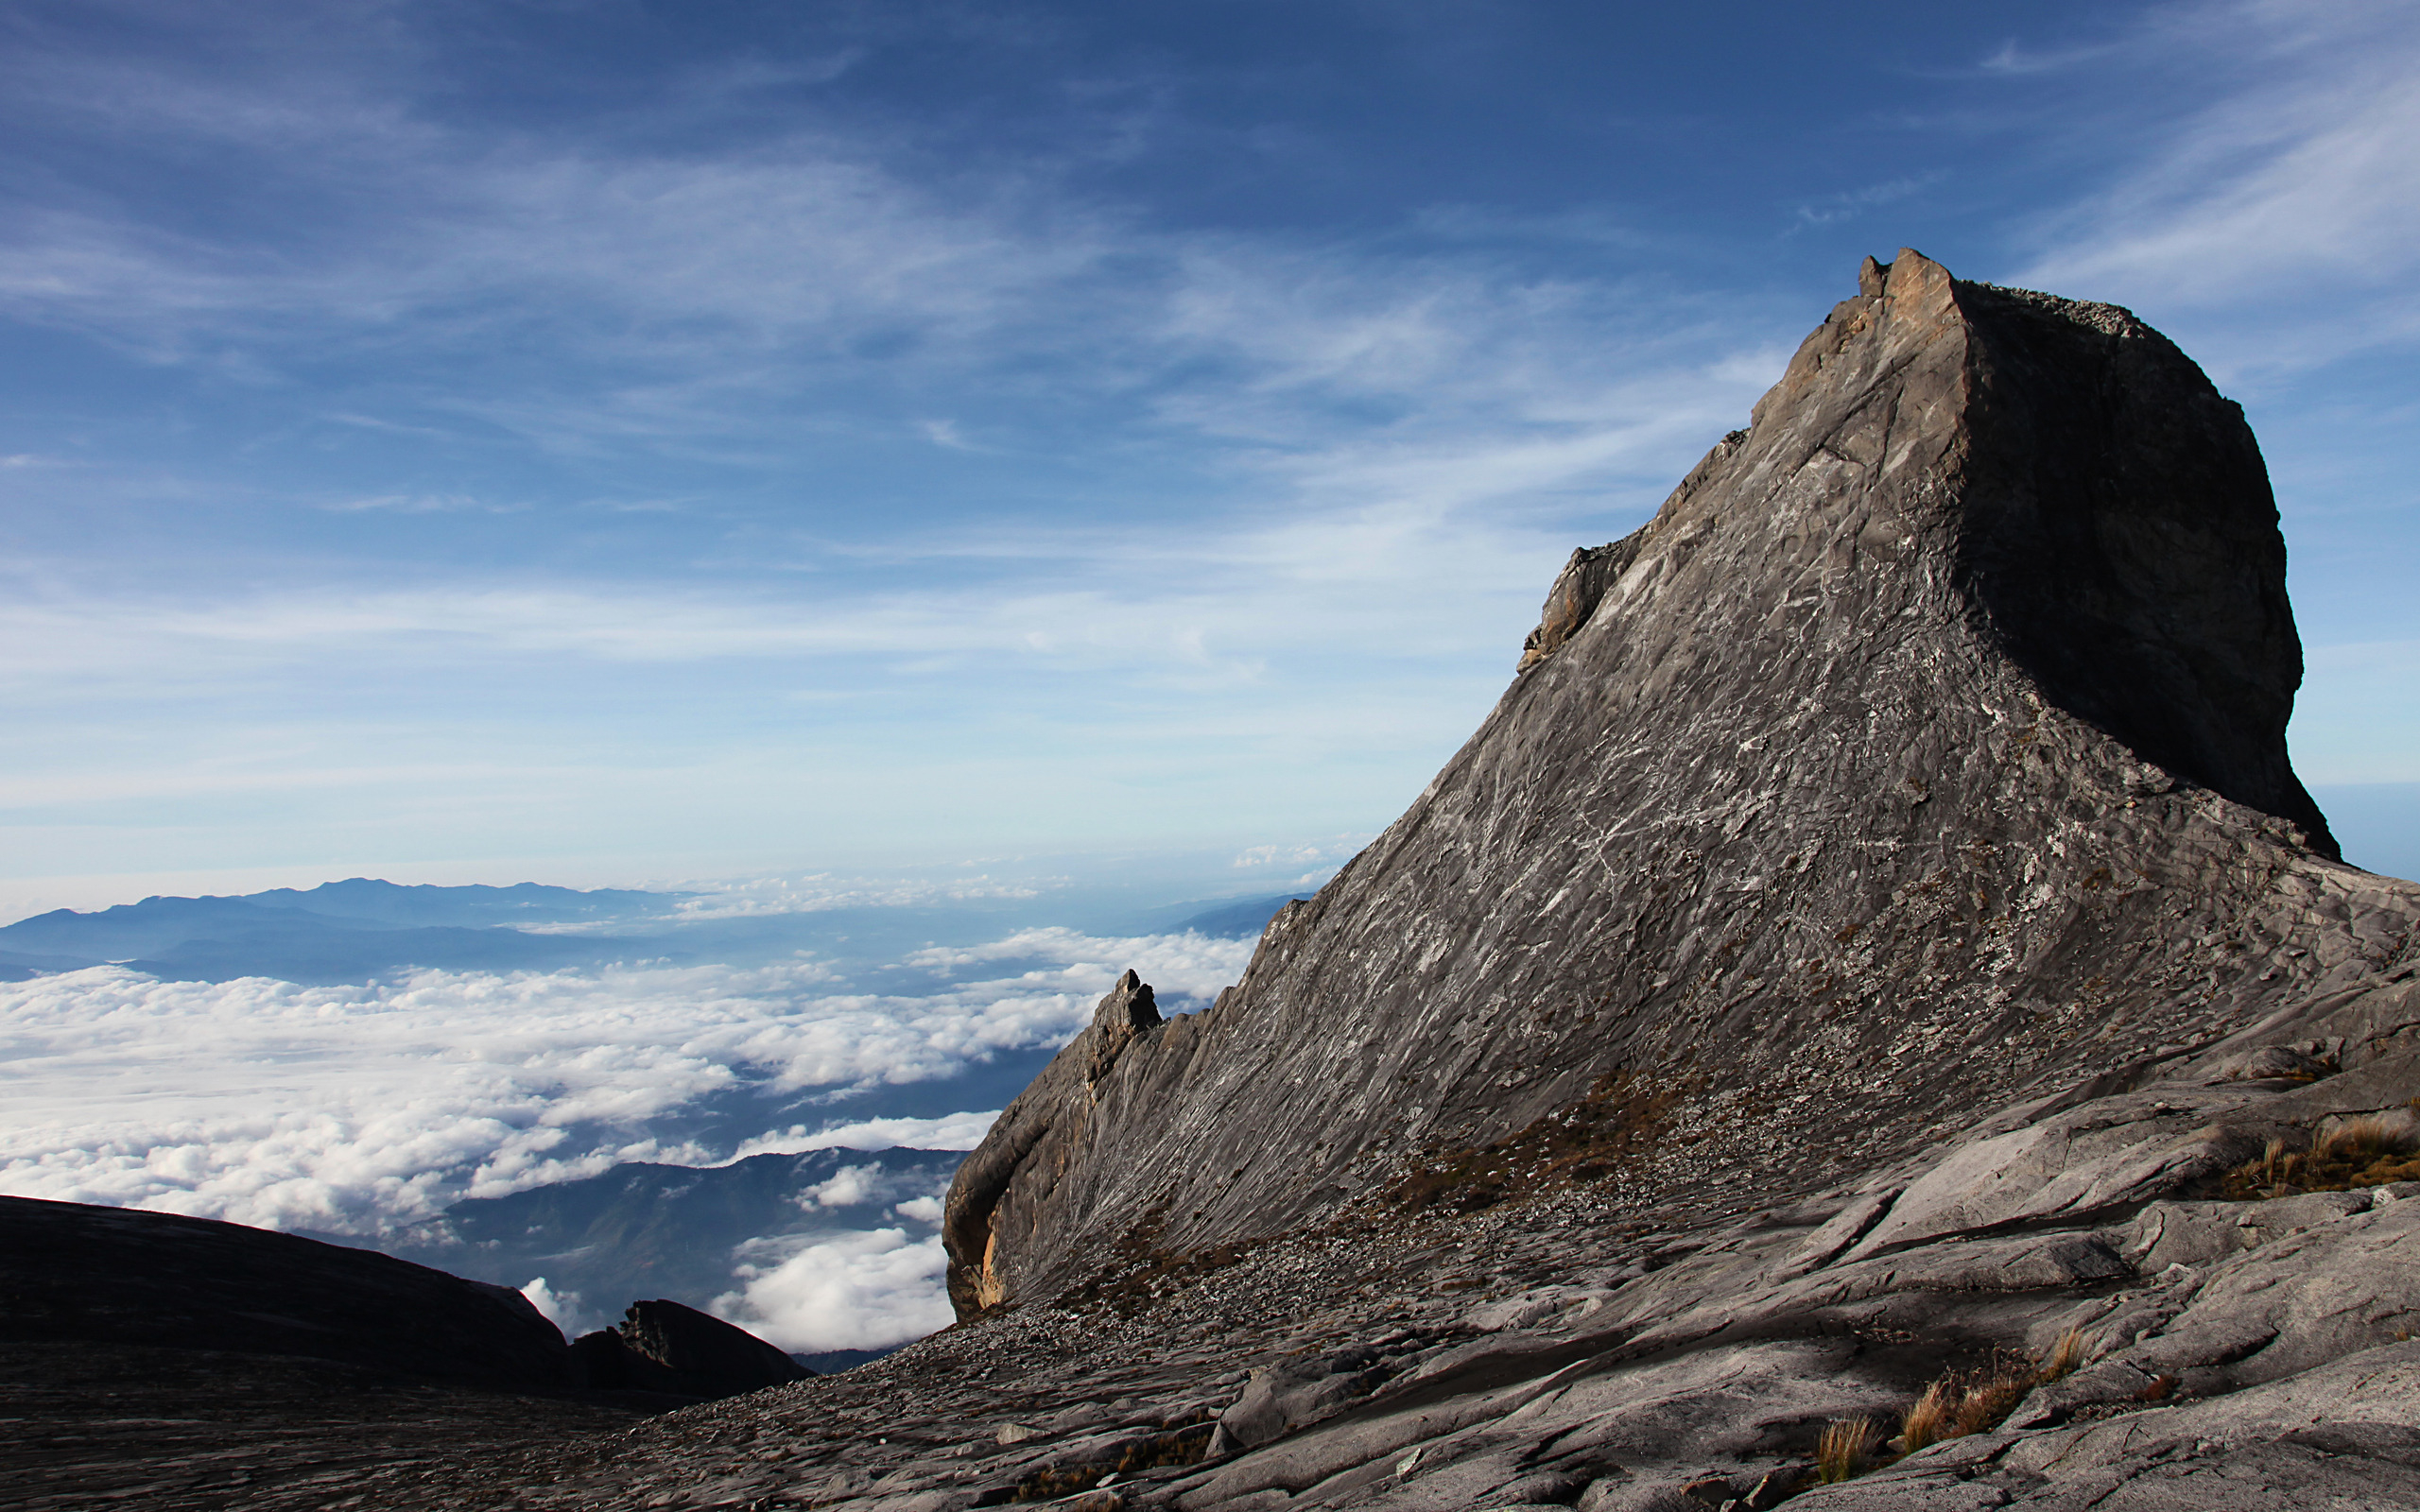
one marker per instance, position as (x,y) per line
(354,1109)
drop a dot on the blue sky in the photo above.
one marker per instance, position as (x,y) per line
(612,442)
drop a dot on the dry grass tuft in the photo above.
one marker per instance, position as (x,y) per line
(1985,1402)
(2065,1354)
(2362,1139)
(2367,1151)
(1955,1406)
(1844,1450)
(1934,1417)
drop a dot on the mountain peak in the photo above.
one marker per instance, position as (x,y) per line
(1920,749)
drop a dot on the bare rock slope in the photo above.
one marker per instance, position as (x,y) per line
(1876,953)
(1928,746)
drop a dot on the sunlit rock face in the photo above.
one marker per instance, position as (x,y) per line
(1925,750)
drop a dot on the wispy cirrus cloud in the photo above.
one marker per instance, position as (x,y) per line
(692,291)
(2283,207)
(1851,203)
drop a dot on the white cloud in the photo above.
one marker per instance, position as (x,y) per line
(1342,847)
(921,1209)
(817,892)
(845,1188)
(352,1108)
(859,1292)
(2286,205)
(1177,966)
(561,1309)
(952,1131)
(1852,203)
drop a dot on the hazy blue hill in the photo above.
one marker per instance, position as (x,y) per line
(156,926)
(525,902)
(1241,919)
(342,932)
(318,956)
(665,1231)
(18,966)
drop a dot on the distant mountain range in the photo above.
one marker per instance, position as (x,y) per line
(362,928)
(338,932)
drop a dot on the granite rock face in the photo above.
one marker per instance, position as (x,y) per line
(1925,750)
(1850,959)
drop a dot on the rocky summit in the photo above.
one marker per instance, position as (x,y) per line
(1927,748)
(1870,1021)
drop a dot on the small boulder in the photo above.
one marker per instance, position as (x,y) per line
(1287,1396)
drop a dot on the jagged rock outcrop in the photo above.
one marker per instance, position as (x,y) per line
(662,1345)
(1004,1190)
(1927,748)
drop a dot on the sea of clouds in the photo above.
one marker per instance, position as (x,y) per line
(358,1109)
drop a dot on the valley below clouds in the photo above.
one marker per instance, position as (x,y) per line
(365,1111)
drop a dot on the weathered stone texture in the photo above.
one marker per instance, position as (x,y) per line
(1927,748)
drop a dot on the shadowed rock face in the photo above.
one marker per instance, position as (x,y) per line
(662,1345)
(108,1277)
(1926,746)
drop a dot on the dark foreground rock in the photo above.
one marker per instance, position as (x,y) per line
(74,1273)
(167,1429)
(153,1361)
(662,1345)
